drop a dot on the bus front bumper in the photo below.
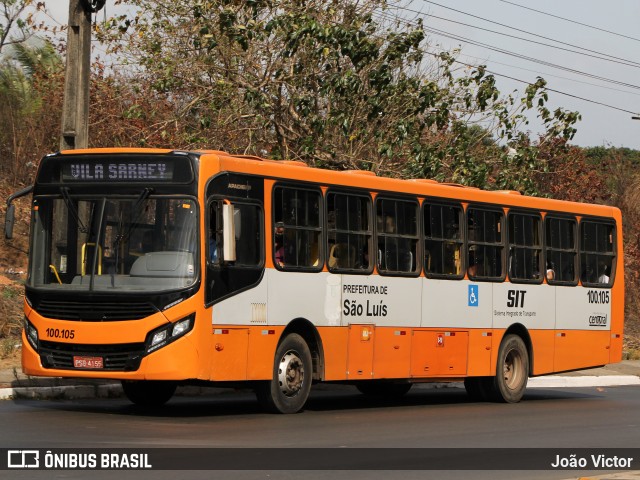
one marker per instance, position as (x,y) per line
(175,361)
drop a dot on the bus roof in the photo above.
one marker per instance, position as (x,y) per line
(299,171)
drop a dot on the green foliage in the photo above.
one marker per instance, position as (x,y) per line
(27,74)
(333,85)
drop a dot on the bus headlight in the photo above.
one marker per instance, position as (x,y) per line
(31,333)
(166,334)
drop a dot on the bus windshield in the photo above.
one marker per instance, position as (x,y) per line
(137,243)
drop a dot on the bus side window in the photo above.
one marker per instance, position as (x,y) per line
(349,232)
(525,247)
(486,249)
(214,235)
(597,253)
(397,236)
(248,231)
(297,228)
(561,250)
(442,240)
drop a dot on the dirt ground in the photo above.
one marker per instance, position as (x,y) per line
(13,267)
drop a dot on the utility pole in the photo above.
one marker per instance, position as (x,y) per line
(75,110)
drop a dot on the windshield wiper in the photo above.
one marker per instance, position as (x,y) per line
(72,208)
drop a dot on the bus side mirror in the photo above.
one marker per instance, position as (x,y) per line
(9,220)
(10,216)
(228,233)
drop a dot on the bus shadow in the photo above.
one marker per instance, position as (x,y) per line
(323,399)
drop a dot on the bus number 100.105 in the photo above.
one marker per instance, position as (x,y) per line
(60,333)
(598,296)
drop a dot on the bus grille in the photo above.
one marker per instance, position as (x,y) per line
(118,357)
(91,311)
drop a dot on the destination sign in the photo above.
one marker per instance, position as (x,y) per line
(156,171)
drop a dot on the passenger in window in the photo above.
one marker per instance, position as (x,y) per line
(390,225)
(279,244)
(476,262)
(551,272)
(363,262)
(587,274)
(604,278)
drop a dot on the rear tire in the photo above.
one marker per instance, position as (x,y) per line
(512,370)
(149,393)
(288,390)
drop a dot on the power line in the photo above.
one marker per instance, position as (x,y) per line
(548,89)
(554,76)
(400,20)
(572,21)
(612,58)
(531,59)
(516,29)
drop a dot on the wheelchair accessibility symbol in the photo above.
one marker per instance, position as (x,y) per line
(473,296)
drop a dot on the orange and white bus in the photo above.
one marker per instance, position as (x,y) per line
(160,268)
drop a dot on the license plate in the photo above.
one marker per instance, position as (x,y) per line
(88,362)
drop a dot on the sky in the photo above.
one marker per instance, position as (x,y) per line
(600,125)
(588,28)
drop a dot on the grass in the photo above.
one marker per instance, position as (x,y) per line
(8,346)
(11,310)
(631,354)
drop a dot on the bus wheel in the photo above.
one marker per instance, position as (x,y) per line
(383,389)
(148,393)
(512,371)
(288,390)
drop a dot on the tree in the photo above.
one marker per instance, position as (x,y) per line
(14,27)
(335,84)
(29,80)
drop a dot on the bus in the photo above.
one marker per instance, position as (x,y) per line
(161,268)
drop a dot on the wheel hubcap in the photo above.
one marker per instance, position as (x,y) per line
(290,374)
(513,369)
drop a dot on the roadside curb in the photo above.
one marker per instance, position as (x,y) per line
(558,381)
(67,392)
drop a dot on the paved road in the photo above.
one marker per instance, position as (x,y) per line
(595,417)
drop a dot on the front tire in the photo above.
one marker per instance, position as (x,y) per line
(289,388)
(148,393)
